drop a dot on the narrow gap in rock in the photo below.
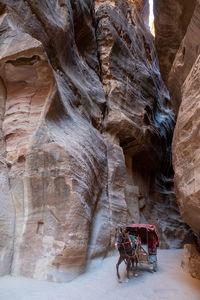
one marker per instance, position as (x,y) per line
(151,17)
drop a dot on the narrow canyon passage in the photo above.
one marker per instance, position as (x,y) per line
(99,128)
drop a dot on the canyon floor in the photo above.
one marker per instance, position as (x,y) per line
(100,282)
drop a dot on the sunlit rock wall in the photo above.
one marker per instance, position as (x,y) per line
(86,130)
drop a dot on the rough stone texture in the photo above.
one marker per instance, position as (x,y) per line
(191,260)
(186,151)
(171,20)
(57,157)
(7,212)
(185,58)
(86,133)
(138,115)
(180,39)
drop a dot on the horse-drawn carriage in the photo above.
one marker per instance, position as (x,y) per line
(147,250)
(137,244)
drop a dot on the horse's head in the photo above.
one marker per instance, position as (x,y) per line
(119,235)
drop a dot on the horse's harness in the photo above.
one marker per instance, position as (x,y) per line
(127,252)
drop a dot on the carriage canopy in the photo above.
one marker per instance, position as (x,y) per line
(145,231)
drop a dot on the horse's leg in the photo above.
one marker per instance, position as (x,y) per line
(132,266)
(136,268)
(136,262)
(128,268)
(117,267)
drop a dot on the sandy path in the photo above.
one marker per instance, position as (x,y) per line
(169,283)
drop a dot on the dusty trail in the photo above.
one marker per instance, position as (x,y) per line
(169,283)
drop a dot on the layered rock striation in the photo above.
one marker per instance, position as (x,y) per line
(186,150)
(184,86)
(86,130)
(172,18)
(185,59)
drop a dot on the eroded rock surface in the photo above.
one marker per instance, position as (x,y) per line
(7,212)
(86,132)
(172,18)
(183,83)
(138,114)
(186,151)
(185,59)
(191,260)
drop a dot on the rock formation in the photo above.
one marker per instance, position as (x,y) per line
(86,131)
(185,59)
(186,150)
(183,80)
(191,260)
(172,18)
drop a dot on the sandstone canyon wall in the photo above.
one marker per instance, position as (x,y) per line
(172,18)
(183,80)
(86,131)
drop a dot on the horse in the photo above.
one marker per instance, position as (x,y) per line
(127,254)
